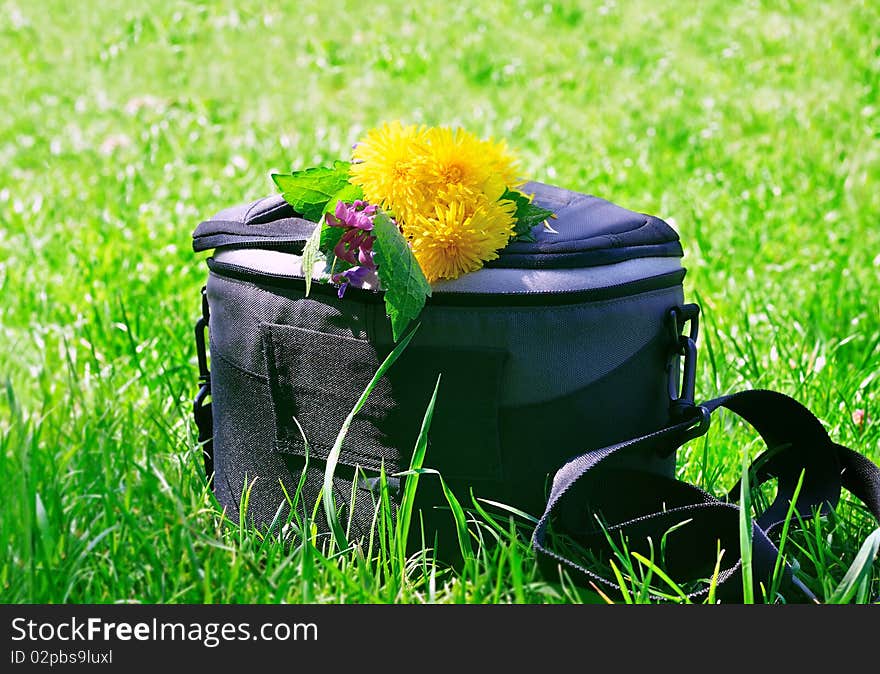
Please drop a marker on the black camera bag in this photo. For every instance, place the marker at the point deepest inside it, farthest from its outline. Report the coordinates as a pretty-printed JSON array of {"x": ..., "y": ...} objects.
[{"x": 575, "y": 350}]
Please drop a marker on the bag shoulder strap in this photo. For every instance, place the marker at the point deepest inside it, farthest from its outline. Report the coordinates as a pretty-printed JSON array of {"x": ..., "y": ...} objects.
[{"x": 596, "y": 503}]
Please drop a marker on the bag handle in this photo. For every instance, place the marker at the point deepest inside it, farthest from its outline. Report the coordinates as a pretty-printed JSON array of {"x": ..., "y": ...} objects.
[
  {"x": 269, "y": 222},
  {"x": 796, "y": 441}
]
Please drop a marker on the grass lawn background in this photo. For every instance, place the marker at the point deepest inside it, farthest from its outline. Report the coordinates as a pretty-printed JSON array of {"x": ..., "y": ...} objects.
[{"x": 753, "y": 128}]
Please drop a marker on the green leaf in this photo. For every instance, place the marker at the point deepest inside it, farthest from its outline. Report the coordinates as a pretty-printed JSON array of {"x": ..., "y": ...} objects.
[
  {"x": 528, "y": 215},
  {"x": 348, "y": 193},
  {"x": 330, "y": 237},
  {"x": 310, "y": 254},
  {"x": 400, "y": 274},
  {"x": 310, "y": 190}
]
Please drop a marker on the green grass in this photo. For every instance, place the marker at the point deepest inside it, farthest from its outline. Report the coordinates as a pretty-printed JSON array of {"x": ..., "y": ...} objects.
[{"x": 753, "y": 127}]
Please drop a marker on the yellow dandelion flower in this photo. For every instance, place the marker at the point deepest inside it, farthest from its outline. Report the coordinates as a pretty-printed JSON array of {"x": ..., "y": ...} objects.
[
  {"x": 383, "y": 167},
  {"x": 459, "y": 158},
  {"x": 503, "y": 163},
  {"x": 465, "y": 230}
]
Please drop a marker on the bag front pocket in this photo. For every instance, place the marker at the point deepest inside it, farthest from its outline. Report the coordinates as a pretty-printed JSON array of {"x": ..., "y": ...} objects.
[{"x": 316, "y": 378}]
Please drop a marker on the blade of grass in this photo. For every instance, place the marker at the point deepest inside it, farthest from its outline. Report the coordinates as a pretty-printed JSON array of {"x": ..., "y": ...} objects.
[
  {"x": 745, "y": 533},
  {"x": 515, "y": 562},
  {"x": 330, "y": 512},
  {"x": 489, "y": 519},
  {"x": 511, "y": 509},
  {"x": 665, "y": 537},
  {"x": 776, "y": 581},
  {"x": 458, "y": 514},
  {"x": 859, "y": 571},
  {"x": 713, "y": 583},
  {"x": 624, "y": 591},
  {"x": 404, "y": 517},
  {"x": 662, "y": 575},
  {"x": 642, "y": 580}
]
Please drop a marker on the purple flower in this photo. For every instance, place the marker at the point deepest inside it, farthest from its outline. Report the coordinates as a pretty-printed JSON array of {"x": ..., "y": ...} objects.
[
  {"x": 355, "y": 246},
  {"x": 365, "y": 252},
  {"x": 350, "y": 243},
  {"x": 356, "y": 276},
  {"x": 358, "y": 215}
]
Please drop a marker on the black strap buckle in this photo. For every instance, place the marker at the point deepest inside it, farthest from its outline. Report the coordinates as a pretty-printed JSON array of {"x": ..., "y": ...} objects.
[
  {"x": 702, "y": 418},
  {"x": 682, "y": 367},
  {"x": 201, "y": 348},
  {"x": 202, "y": 414},
  {"x": 679, "y": 316}
]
